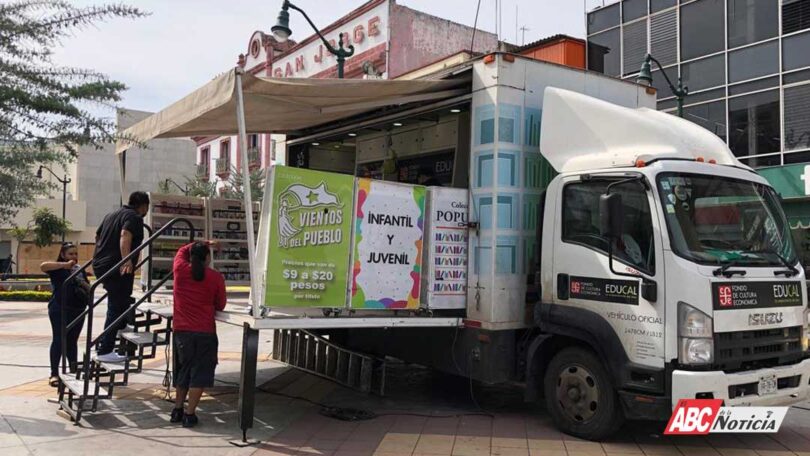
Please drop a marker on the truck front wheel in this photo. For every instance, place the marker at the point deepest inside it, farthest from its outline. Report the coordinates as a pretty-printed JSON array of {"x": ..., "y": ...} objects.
[{"x": 580, "y": 395}]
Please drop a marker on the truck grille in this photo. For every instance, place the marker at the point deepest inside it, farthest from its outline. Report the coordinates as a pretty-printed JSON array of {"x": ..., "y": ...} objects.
[{"x": 757, "y": 349}]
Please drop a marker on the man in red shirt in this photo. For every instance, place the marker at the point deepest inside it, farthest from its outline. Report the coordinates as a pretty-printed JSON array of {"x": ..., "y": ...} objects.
[{"x": 199, "y": 292}]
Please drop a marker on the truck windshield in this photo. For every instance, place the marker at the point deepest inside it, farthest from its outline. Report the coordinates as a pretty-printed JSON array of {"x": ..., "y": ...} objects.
[{"x": 718, "y": 220}]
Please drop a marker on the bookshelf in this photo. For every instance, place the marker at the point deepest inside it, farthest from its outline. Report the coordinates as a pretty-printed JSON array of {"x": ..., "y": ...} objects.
[
  {"x": 228, "y": 226},
  {"x": 163, "y": 209}
]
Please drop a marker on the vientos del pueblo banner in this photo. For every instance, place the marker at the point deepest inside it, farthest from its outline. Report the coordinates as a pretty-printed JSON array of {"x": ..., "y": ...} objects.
[
  {"x": 387, "y": 254},
  {"x": 336, "y": 241},
  {"x": 310, "y": 238}
]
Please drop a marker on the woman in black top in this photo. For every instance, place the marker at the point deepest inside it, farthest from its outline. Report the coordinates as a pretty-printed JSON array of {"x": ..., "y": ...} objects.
[{"x": 58, "y": 271}]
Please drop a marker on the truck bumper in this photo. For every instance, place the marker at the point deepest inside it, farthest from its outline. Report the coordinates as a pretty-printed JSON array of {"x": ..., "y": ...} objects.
[{"x": 690, "y": 384}]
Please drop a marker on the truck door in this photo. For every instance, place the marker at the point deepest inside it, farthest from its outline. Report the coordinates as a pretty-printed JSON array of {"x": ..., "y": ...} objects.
[{"x": 626, "y": 328}]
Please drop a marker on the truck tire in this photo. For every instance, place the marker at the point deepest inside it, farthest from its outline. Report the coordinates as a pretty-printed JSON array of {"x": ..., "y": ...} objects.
[{"x": 580, "y": 395}]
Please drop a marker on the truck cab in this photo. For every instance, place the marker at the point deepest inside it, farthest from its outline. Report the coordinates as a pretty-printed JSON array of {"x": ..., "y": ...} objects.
[{"x": 667, "y": 271}]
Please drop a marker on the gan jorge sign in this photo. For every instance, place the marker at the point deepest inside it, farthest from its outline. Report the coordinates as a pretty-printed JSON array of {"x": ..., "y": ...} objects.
[{"x": 363, "y": 32}]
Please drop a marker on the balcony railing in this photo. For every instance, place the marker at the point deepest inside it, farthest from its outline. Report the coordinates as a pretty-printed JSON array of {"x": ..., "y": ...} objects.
[
  {"x": 203, "y": 173},
  {"x": 254, "y": 158},
  {"x": 223, "y": 166}
]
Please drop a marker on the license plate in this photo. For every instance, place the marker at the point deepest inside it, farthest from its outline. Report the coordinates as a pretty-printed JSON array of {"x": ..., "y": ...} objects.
[{"x": 767, "y": 385}]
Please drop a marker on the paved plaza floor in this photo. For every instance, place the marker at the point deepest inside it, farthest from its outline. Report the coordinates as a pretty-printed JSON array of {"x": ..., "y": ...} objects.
[{"x": 423, "y": 413}]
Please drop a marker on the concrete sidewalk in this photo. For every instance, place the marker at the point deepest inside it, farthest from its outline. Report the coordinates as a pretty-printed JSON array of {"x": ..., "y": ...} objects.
[{"x": 424, "y": 413}]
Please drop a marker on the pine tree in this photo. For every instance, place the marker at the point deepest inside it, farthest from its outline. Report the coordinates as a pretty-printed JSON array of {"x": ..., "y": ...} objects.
[{"x": 44, "y": 108}]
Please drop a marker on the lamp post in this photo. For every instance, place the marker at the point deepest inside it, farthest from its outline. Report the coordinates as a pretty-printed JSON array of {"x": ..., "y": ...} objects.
[
  {"x": 64, "y": 181},
  {"x": 645, "y": 78},
  {"x": 281, "y": 31}
]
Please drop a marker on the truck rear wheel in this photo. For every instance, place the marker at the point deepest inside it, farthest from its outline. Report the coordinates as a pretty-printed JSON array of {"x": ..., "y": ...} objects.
[{"x": 580, "y": 395}]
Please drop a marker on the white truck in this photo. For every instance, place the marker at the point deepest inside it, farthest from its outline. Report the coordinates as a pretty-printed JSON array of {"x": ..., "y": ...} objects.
[
  {"x": 654, "y": 267},
  {"x": 666, "y": 271}
]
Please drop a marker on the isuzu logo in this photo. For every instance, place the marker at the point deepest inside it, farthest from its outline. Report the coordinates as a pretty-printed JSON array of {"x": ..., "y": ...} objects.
[{"x": 767, "y": 318}]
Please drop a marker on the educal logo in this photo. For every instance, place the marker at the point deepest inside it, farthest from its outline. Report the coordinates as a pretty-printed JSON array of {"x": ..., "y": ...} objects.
[{"x": 704, "y": 416}]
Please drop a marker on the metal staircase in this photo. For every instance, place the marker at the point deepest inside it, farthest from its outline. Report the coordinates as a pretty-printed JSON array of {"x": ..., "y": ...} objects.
[
  {"x": 314, "y": 354},
  {"x": 83, "y": 385}
]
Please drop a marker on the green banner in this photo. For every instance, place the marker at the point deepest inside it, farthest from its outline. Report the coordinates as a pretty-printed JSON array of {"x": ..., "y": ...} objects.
[
  {"x": 792, "y": 181},
  {"x": 310, "y": 238}
]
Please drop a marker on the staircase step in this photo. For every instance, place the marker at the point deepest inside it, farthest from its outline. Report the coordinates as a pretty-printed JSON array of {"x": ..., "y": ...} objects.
[
  {"x": 111, "y": 367},
  {"x": 77, "y": 386},
  {"x": 165, "y": 312},
  {"x": 144, "y": 338}
]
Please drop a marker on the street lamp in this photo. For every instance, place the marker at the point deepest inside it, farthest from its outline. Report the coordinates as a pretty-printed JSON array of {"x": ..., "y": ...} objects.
[
  {"x": 645, "y": 78},
  {"x": 66, "y": 180},
  {"x": 281, "y": 31}
]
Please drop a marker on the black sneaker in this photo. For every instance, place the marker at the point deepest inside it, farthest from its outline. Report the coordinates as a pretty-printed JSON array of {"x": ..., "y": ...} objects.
[
  {"x": 177, "y": 415},
  {"x": 190, "y": 421}
]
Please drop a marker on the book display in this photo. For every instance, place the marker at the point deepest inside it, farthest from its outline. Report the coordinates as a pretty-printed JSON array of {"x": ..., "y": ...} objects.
[
  {"x": 222, "y": 220},
  {"x": 228, "y": 227}
]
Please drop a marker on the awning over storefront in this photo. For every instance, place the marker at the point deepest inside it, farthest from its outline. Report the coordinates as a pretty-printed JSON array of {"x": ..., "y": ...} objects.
[{"x": 279, "y": 105}]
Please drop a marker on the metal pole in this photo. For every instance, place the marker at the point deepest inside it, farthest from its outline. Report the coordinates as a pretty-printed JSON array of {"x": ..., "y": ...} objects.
[
  {"x": 248, "y": 200},
  {"x": 64, "y": 202},
  {"x": 340, "y": 62},
  {"x": 247, "y": 380}
]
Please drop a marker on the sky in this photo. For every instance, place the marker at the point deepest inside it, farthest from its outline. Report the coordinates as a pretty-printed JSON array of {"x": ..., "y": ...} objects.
[{"x": 185, "y": 43}]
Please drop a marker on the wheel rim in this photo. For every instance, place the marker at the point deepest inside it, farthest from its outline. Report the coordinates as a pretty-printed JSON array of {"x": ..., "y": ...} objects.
[{"x": 577, "y": 393}]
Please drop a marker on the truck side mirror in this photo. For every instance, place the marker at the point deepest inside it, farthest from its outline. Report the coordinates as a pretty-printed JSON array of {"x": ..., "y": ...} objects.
[{"x": 611, "y": 215}]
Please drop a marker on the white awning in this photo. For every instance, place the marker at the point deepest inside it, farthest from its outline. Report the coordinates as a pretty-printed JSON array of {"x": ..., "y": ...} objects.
[
  {"x": 580, "y": 133},
  {"x": 276, "y": 105}
]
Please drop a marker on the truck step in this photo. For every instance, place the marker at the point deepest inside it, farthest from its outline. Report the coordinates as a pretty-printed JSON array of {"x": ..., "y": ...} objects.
[{"x": 314, "y": 354}]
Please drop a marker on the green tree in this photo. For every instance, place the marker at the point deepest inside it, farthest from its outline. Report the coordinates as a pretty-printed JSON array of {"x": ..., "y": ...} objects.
[
  {"x": 19, "y": 234},
  {"x": 200, "y": 188},
  {"x": 234, "y": 188},
  {"x": 48, "y": 225},
  {"x": 44, "y": 108},
  {"x": 44, "y": 226},
  {"x": 166, "y": 188}
]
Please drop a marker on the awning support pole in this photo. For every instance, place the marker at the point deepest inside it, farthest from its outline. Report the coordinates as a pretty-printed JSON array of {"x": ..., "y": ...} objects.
[
  {"x": 122, "y": 166},
  {"x": 248, "y": 200}
]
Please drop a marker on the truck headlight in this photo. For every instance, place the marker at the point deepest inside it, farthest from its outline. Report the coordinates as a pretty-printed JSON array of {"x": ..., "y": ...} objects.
[
  {"x": 695, "y": 336},
  {"x": 806, "y": 331}
]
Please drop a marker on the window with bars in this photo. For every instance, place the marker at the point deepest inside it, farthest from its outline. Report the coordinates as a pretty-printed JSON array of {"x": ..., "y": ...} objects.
[
  {"x": 664, "y": 37},
  {"x": 635, "y": 46},
  {"x": 795, "y": 15}
]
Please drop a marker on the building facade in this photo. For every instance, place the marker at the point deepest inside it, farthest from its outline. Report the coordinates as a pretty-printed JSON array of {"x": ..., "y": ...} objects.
[
  {"x": 390, "y": 41},
  {"x": 95, "y": 190},
  {"x": 746, "y": 64}
]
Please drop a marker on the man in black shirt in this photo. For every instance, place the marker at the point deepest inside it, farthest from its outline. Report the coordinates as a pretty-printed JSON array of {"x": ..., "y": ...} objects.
[{"x": 119, "y": 234}]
